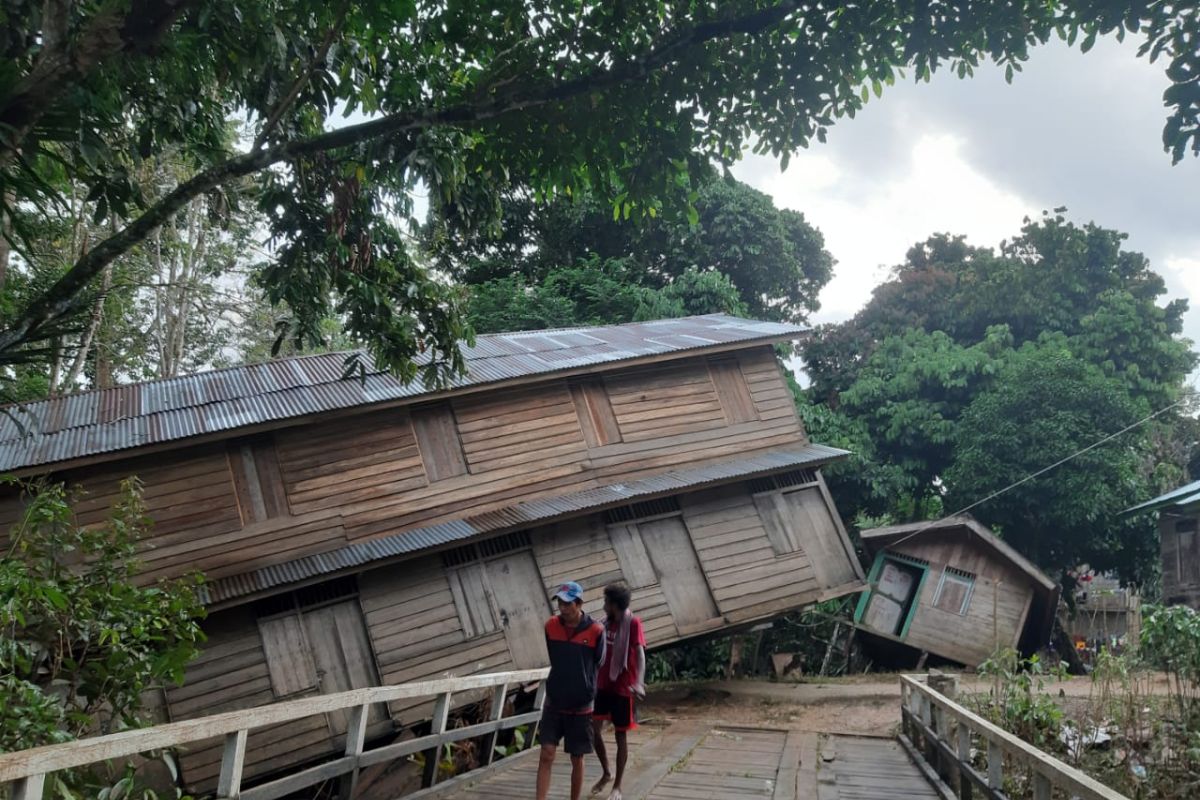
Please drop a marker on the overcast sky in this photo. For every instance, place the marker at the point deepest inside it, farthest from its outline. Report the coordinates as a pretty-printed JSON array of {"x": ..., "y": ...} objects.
[{"x": 975, "y": 157}]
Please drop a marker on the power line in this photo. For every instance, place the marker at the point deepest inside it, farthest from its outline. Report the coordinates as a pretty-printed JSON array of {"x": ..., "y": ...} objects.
[{"x": 1044, "y": 470}]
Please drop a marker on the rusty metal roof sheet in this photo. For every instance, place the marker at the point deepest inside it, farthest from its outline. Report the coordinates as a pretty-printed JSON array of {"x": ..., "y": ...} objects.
[
  {"x": 533, "y": 512},
  {"x": 125, "y": 417}
]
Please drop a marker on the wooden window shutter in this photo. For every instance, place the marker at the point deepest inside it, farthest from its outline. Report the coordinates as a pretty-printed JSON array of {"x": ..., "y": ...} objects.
[
  {"x": 732, "y": 390},
  {"x": 289, "y": 662},
  {"x": 595, "y": 412},
  {"x": 437, "y": 438},
  {"x": 257, "y": 480},
  {"x": 631, "y": 555},
  {"x": 774, "y": 515},
  {"x": 469, "y": 587}
]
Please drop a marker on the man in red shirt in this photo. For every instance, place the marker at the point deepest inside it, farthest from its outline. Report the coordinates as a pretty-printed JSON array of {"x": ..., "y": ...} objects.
[
  {"x": 621, "y": 678},
  {"x": 575, "y": 644}
]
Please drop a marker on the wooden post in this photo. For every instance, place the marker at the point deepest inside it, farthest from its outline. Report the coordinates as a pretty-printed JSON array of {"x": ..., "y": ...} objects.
[
  {"x": 964, "y": 760},
  {"x": 29, "y": 788},
  {"x": 539, "y": 701},
  {"x": 441, "y": 714},
  {"x": 995, "y": 766},
  {"x": 356, "y": 736},
  {"x": 927, "y": 718},
  {"x": 229, "y": 784},
  {"x": 498, "y": 695},
  {"x": 1041, "y": 787}
]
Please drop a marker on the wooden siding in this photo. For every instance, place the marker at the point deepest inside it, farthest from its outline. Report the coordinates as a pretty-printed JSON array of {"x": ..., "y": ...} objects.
[
  {"x": 999, "y": 604},
  {"x": 1180, "y": 550},
  {"x": 231, "y": 673},
  {"x": 232, "y": 507}
]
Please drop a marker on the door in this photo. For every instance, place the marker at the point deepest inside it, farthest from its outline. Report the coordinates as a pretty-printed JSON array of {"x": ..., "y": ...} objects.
[
  {"x": 522, "y": 606},
  {"x": 673, "y": 557},
  {"x": 341, "y": 654},
  {"x": 818, "y": 534}
]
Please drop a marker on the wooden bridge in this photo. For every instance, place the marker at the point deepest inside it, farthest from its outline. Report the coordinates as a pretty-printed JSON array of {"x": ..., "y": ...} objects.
[{"x": 942, "y": 751}]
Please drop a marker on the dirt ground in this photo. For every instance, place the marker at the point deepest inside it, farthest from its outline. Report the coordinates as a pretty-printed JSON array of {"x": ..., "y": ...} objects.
[{"x": 864, "y": 705}]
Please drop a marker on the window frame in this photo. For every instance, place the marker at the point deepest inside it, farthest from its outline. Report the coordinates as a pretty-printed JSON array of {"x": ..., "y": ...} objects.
[{"x": 960, "y": 576}]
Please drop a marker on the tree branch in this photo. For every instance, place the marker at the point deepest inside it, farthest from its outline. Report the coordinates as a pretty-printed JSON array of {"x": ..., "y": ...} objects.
[
  {"x": 61, "y": 298},
  {"x": 304, "y": 77},
  {"x": 63, "y": 63}
]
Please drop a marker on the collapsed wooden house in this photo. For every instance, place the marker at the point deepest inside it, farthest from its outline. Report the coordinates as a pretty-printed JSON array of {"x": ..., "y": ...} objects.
[
  {"x": 354, "y": 532},
  {"x": 1179, "y": 543},
  {"x": 953, "y": 589}
]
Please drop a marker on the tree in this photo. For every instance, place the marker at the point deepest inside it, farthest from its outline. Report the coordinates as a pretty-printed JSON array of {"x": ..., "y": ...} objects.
[
  {"x": 775, "y": 259},
  {"x": 467, "y": 100},
  {"x": 1048, "y": 404},
  {"x": 972, "y": 368},
  {"x": 81, "y": 639},
  {"x": 595, "y": 292}
]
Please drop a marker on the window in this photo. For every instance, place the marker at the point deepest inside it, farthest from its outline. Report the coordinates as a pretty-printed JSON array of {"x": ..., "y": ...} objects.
[
  {"x": 257, "y": 480},
  {"x": 595, "y": 412},
  {"x": 954, "y": 591},
  {"x": 437, "y": 438},
  {"x": 1188, "y": 552},
  {"x": 732, "y": 390},
  {"x": 470, "y": 586},
  {"x": 890, "y": 605},
  {"x": 626, "y": 537}
]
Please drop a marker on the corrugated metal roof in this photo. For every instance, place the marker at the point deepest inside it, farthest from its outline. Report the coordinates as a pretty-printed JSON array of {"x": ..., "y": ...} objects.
[
  {"x": 108, "y": 420},
  {"x": 518, "y": 516},
  {"x": 1185, "y": 495}
]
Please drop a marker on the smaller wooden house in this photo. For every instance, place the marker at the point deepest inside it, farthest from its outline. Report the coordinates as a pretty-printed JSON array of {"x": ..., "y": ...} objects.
[
  {"x": 1179, "y": 541},
  {"x": 951, "y": 588}
]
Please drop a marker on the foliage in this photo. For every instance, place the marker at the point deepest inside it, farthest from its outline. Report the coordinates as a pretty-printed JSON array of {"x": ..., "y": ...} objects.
[
  {"x": 773, "y": 257},
  {"x": 704, "y": 659},
  {"x": 595, "y": 293},
  {"x": 467, "y": 101},
  {"x": 1018, "y": 701},
  {"x": 82, "y": 641},
  {"x": 972, "y": 369},
  {"x": 1171, "y": 642}
]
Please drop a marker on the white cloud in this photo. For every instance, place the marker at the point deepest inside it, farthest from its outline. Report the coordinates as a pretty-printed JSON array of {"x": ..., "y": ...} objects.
[{"x": 868, "y": 226}]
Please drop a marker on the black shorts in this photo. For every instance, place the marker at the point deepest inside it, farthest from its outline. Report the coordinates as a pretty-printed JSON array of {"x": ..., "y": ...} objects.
[
  {"x": 616, "y": 707},
  {"x": 575, "y": 730}
]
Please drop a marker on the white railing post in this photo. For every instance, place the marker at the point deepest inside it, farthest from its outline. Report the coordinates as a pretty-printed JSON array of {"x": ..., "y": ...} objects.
[
  {"x": 964, "y": 760},
  {"x": 498, "y": 696},
  {"x": 437, "y": 726},
  {"x": 229, "y": 784},
  {"x": 995, "y": 760},
  {"x": 1041, "y": 787},
  {"x": 356, "y": 737},
  {"x": 29, "y": 788}
]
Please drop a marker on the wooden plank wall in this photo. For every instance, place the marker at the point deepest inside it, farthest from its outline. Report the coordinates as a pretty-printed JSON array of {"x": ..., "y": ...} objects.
[
  {"x": 748, "y": 580},
  {"x": 1176, "y": 590},
  {"x": 345, "y": 479},
  {"x": 999, "y": 602},
  {"x": 231, "y": 673}
]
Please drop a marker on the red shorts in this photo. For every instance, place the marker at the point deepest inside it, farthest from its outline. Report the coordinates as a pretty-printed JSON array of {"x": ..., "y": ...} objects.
[{"x": 616, "y": 707}]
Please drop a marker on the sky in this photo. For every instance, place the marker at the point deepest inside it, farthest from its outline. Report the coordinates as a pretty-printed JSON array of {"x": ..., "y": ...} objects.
[{"x": 977, "y": 156}]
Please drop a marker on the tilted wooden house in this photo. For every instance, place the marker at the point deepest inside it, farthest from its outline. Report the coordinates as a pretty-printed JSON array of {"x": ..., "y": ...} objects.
[
  {"x": 952, "y": 588},
  {"x": 1179, "y": 543},
  {"x": 356, "y": 532}
]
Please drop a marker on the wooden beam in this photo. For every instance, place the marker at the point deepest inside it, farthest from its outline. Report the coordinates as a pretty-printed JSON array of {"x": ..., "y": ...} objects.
[
  {"x": 229, "y": 784},
  {"x": 29, "y": 788}
]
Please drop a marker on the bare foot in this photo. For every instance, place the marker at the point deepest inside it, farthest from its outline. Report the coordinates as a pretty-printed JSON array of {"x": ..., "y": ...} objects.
[
  {"x": 600, "y": 784},
  {"x": 616, "y": 795}
]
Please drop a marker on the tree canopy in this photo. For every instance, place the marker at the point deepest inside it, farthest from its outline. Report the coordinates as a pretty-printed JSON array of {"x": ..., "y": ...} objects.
[
  {"x": 774, "y": 258},
  {"x": 352, "y": 107},
  {"x": 971, "y": 369}
]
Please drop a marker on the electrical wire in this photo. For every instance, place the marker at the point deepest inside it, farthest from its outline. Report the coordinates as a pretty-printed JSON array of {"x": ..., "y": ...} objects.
[{"x": 1044, "y": 470}]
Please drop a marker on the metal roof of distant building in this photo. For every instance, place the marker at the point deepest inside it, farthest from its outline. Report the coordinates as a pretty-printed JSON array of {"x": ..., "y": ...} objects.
[
  {"x": 534, "y": 512},
  {"x": 125, "y": 417},
  {"x": 1185, "y": 495}
]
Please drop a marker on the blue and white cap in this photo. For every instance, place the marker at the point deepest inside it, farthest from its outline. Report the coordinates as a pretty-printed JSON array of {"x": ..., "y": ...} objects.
[{"x": 569, "y": 592}]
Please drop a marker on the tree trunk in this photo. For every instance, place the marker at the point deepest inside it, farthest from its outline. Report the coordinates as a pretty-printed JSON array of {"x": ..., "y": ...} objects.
[{"x": 89, "y": 335}]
